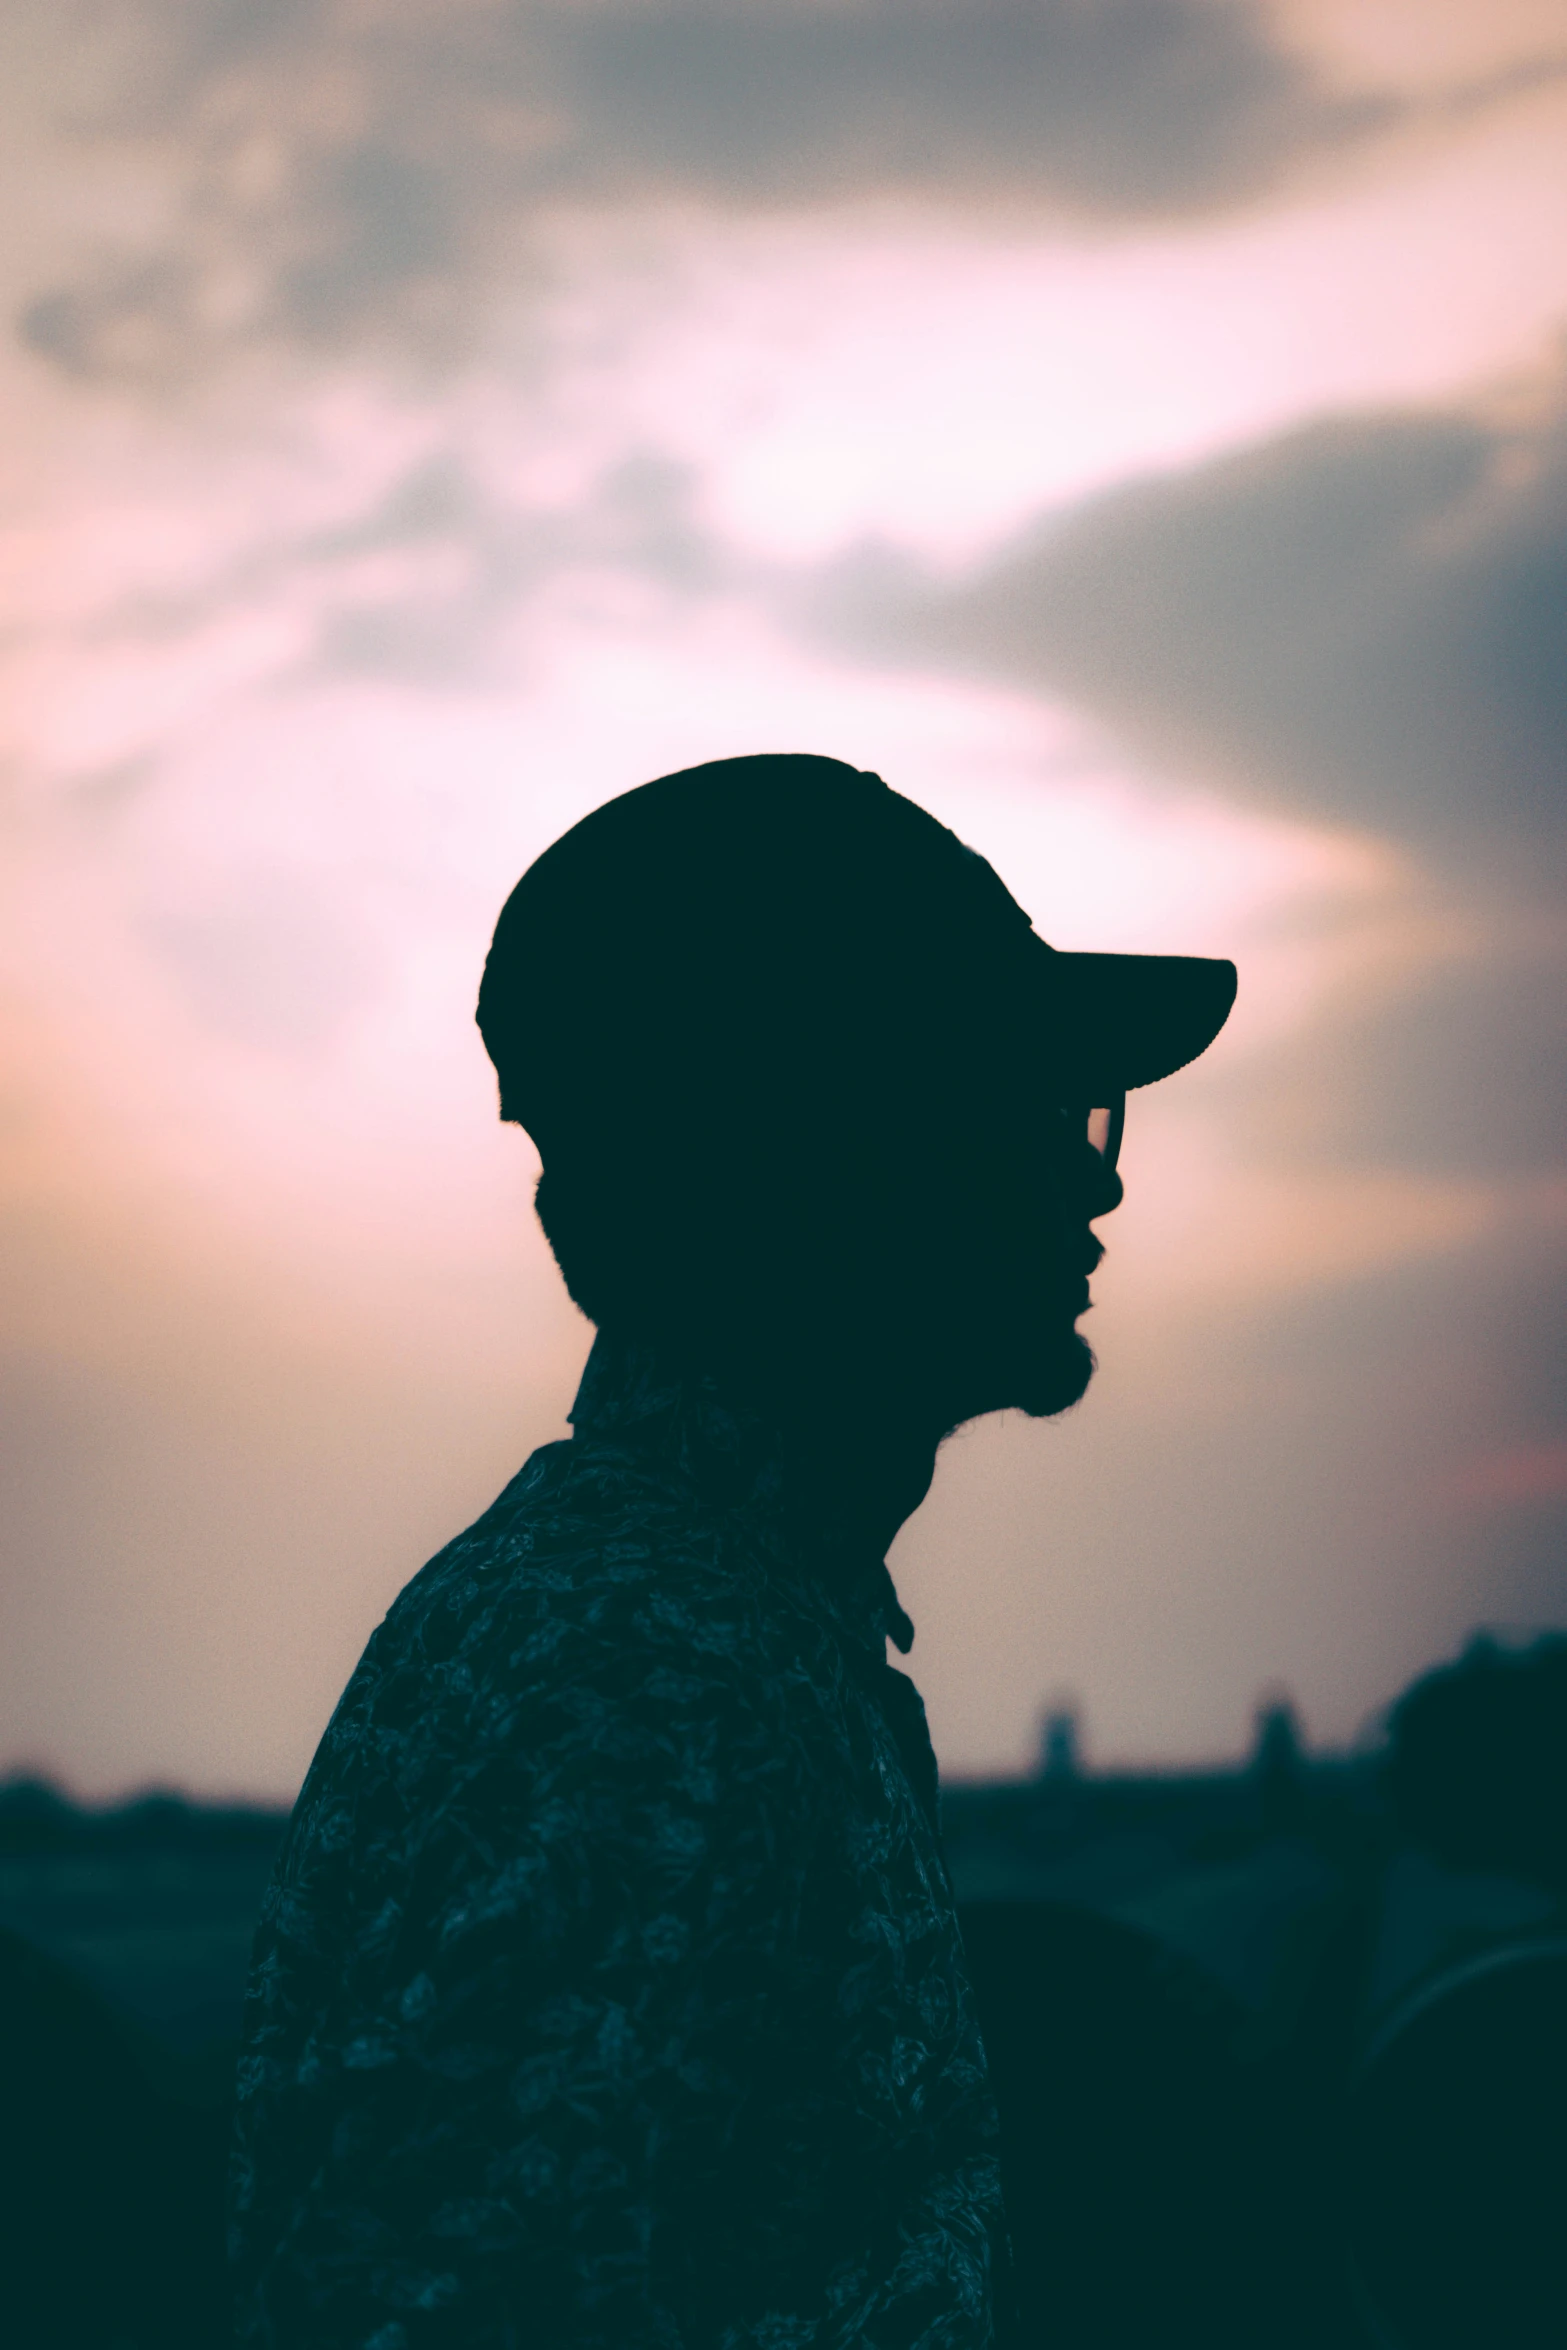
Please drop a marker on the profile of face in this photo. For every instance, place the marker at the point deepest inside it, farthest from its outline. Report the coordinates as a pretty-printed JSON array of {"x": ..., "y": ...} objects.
[
  {"x": 1020, "y": 1249},
  {"x": 954, "y": 1240}
]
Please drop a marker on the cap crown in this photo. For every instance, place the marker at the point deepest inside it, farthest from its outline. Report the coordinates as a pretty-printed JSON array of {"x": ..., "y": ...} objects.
[{"x": 734, "y": 937}]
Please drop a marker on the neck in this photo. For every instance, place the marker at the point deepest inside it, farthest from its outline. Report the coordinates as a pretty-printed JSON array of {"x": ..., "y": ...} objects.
[
  {"x": 839, "y": 1447},
  {"x": 862, "y": 1465}
]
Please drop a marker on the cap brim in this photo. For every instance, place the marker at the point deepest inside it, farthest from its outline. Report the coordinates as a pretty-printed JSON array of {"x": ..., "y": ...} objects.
[{"x": 1120, "y": 1021}]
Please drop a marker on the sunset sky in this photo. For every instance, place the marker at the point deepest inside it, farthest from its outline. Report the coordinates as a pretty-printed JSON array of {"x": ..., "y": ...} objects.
[{"x": 1135, "y": 428}]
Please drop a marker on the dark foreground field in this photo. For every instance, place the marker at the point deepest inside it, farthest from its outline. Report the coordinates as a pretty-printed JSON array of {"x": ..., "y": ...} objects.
[{"x": 1281, "y": 2051}]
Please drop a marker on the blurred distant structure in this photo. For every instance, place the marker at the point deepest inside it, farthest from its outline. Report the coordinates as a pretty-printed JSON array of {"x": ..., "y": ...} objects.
[
  {"x": 1278, "y": 1763},
  {"x": 1477, "y": 1762},
  {"x": 1059, "y": 1756}
]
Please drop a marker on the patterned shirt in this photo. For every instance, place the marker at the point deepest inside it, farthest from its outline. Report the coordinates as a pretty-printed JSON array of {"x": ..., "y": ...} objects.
[{"x": 609, "y": 1991}]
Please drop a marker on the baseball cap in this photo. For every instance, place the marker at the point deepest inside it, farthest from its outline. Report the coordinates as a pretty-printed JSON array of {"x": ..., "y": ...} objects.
[{"x": 780, "y": 921}]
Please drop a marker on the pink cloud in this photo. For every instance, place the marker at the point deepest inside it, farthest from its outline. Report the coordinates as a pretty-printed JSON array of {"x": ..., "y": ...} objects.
[{"x": 1516, "y": 1473}]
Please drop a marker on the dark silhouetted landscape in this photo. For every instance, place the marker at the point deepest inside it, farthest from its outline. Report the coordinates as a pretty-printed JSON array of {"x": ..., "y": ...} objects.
[{"x": 1280, "y": 2047}]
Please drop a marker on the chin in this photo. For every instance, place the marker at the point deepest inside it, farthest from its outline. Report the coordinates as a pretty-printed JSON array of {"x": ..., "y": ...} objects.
[
  {"x": 1030, "y": 1359},
  {"x": 1054, "y": 1376}
]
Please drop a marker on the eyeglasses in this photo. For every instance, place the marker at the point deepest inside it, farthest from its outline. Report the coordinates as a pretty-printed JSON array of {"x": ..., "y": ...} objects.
[{"x": 1104, "y": 1127}]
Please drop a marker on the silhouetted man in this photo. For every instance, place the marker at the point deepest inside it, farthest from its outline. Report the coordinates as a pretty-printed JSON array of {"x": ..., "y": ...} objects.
[{"x": 609, "y": 1991}]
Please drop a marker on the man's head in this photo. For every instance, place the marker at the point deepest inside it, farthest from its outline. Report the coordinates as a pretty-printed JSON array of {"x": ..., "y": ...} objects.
[{"x": 809, "y": 1092}]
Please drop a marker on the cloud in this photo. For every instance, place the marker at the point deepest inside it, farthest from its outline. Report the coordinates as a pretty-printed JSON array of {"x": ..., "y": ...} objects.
[
  {"x": 1461, "y": 1077},
  {"x": 464, "y": 564},
  {"x": 328, "y": 173},
  {"x": 1517, "y": 1474},
  {"x": 1364, "y": 620},
  {"x": 1125, "y": 107}
]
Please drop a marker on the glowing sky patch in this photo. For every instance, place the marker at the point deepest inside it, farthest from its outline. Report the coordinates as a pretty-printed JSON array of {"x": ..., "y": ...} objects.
[{"x": 306, "y": 651}]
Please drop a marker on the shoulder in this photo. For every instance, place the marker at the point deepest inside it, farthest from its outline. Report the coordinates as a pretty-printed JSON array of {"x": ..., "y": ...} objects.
[
  {"x": 594, "y": 1624},
  {"x": 585, "y": 1702},
  {"x": 588, "y": 1561}
]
